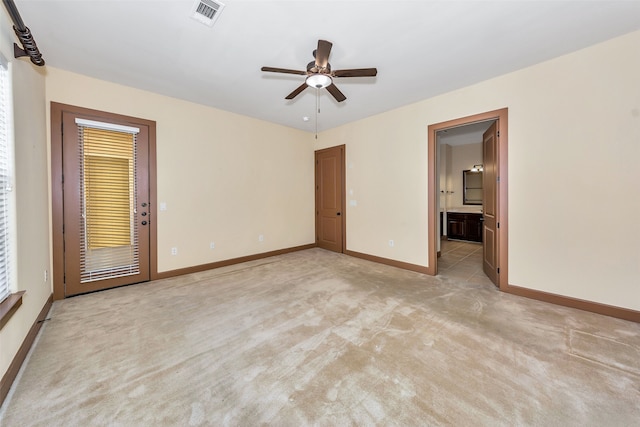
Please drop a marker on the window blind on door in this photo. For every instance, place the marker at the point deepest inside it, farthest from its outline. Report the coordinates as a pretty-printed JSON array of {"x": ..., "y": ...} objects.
[{"x": 109, "y": 238}]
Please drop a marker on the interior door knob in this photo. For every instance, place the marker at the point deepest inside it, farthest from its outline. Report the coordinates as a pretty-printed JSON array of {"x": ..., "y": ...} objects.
[
  {"x": 144, "y": 223},
  {"x": 338, "y": 214}
]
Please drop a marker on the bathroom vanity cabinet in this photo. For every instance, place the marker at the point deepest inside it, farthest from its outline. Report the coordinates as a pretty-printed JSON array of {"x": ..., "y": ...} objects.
[{"x": 464, "y": 226}]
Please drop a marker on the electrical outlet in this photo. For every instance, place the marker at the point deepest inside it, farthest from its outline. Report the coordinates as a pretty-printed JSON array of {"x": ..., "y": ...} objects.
[
  {"x": 391, "y": 243},
  {"x": 261, "y": 238},
  {"x": 212, "y": 245},
  {"x": 174, "y": 251}
]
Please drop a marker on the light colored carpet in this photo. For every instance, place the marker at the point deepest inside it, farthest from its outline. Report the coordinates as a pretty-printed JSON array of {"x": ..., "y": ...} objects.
[{"x": 318, "y": 338}]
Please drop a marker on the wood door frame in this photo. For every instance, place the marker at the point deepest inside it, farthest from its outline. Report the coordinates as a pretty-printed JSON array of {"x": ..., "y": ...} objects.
[
  {"x": 502, "y": 194},
  {"x": 57, "y": 213},
  {"x": 343, "y": 191}
]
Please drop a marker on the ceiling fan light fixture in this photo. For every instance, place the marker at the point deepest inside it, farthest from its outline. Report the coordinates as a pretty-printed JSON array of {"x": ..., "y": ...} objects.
[{"x": 318, "y": 80}]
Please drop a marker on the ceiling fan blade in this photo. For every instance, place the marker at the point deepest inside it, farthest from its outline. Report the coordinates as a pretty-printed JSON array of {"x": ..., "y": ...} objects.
[
  {"x": 297, "y": 92},
  {"x": 322, "y": 53},
  {"x": 283, "y": 70},
  {"x": 356, "y": 72},
  {"x": 333, "y": 90}
]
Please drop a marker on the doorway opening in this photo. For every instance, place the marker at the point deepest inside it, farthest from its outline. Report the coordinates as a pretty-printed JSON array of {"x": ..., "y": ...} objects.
[
  {"x": 460, "y": 163},
  {"x": 467, "y": 220}
]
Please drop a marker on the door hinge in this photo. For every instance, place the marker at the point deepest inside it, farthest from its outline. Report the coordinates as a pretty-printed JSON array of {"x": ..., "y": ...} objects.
[
  {"x": 498, "y": 270},
  {"x": 498, "y": 134},
  {"x": 497, "y": 225}
]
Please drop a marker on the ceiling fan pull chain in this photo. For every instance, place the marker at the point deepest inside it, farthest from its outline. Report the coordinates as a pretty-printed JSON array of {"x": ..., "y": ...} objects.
[{"x": 317, "y": 109}]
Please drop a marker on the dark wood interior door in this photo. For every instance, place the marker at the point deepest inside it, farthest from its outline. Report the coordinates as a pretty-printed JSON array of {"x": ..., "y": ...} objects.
[
  {"x": 329, "y": 172},
  {"x": 489, "y": 206},
  {"x": 106, "y": 202}
]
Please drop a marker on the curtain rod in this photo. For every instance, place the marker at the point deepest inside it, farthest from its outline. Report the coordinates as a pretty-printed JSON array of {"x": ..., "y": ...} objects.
[{"x": 29, "y": 47}]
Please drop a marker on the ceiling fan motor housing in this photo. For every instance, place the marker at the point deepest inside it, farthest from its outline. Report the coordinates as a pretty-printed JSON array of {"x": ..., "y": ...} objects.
[{"x": 312, "y": 67}]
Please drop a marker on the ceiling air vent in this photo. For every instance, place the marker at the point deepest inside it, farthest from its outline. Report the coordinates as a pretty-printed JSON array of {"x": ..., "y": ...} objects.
[{"x": 207, "y": 11}]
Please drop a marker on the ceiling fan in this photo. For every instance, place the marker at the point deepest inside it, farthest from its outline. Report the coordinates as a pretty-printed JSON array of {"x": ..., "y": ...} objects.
[{"x": 320, "y": 75}]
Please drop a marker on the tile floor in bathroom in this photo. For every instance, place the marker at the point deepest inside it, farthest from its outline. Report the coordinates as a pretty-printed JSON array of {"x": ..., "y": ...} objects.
[{"x": 462, "y": 261}]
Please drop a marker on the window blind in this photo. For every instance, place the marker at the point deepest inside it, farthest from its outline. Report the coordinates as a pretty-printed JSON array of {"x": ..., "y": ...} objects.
[
  {"x": 109, "y": 238},
  {"x": 5, "y": 180}
]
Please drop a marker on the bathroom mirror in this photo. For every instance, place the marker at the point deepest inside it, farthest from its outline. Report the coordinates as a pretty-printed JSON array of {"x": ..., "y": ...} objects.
[{"x": 472, "y": 187}]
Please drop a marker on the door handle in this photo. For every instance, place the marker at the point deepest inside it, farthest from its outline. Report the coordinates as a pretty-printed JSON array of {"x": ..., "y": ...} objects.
[
  {"x": 338, "y": 214},
  {"x": 144, "y": 223}
]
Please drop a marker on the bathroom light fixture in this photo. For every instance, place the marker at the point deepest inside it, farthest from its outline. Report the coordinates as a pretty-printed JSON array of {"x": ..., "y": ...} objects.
[
  {"x": 318, "y": 80},
  {"x": 477, "y": 168}
]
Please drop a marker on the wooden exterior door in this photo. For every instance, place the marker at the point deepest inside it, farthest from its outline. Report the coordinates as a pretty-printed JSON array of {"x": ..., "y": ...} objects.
[
  {"x": 490, "y": 203},
  {"x": 106, "y": 202},
  {"x": 330, "y": 220}
]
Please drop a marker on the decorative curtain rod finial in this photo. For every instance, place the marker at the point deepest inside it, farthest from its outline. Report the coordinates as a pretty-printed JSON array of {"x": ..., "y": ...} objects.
[
  {"x": 29, "y": 47},
  {"x": 29, "y": 44}
]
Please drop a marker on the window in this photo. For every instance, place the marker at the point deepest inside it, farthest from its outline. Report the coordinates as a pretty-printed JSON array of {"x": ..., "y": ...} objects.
[
  {"x": 5, "y": 180},
  {"x": 109, "y": 238}
]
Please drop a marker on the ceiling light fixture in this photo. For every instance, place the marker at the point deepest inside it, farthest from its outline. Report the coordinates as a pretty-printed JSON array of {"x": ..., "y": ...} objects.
[{"x": 318, "y": 80}]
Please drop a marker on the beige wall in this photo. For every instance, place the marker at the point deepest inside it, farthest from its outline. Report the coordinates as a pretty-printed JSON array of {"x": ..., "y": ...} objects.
[
  {"x": 463, "y": 157},
  {"x": 31, "y": 190},
  {"x": 574, "y": 150},
  {"x": 443, "y": 186},
  {"x": 444, "y": 166},
  {"x": 225, "y": 178},
  {"x": 386, "y": 175}
]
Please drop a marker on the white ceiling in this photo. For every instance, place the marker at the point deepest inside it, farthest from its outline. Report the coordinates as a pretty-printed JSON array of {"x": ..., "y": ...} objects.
[
  {"x": 463, "y": 135},
  {"x": 421, "y": 48}
]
